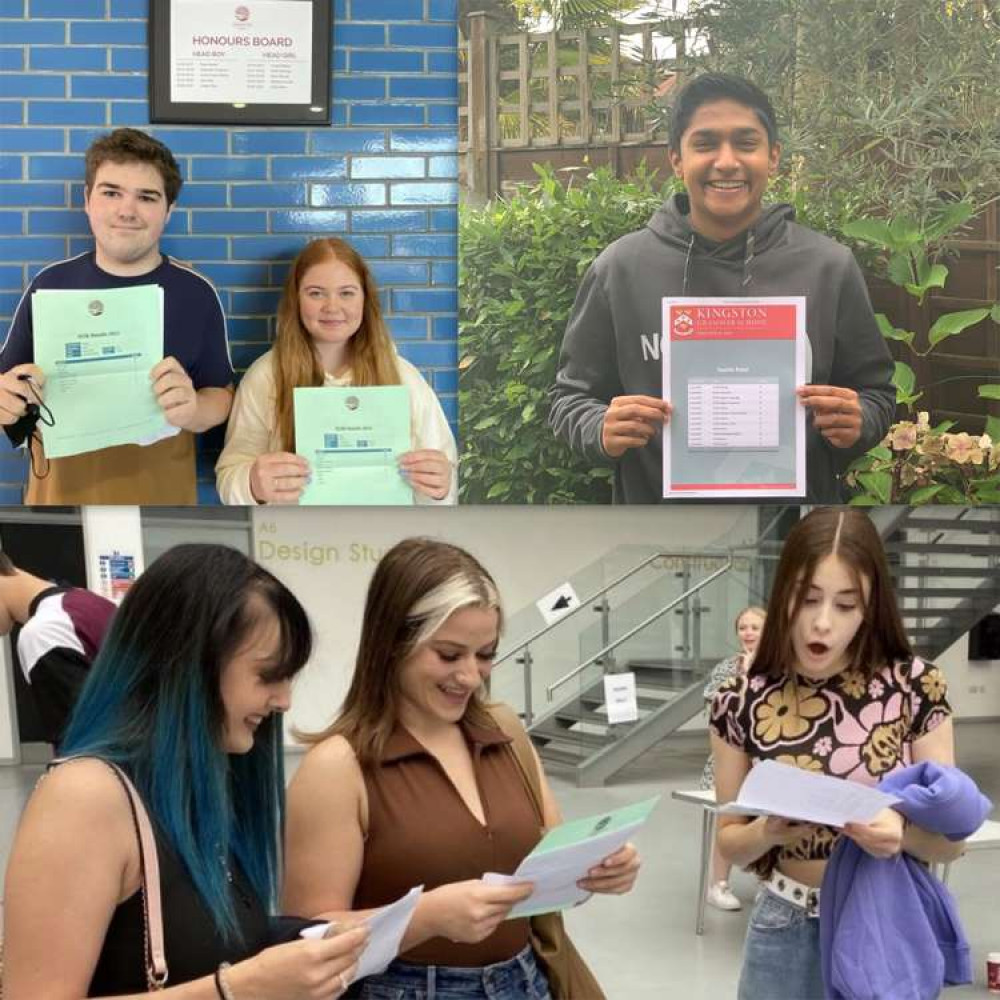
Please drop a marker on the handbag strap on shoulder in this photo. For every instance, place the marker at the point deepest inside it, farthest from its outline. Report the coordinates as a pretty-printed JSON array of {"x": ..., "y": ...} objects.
[
  {"x": 524, "y": 756},
  {"x": 156, "y": 958}
]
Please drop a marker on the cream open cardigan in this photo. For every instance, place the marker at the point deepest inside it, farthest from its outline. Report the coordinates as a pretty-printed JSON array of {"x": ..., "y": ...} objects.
[{"x": 253, "y": 430}]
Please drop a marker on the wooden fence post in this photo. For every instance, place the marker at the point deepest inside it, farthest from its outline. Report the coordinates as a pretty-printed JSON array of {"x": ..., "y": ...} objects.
[{"x": 480, "y": 185}]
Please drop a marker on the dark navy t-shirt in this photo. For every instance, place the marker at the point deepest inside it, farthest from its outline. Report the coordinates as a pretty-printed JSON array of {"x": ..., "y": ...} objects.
[{"x": 194, "y": 325}]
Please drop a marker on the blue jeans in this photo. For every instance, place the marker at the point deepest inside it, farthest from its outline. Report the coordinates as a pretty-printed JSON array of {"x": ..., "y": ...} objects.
[
  {"x": 519, "y": 978},
  {"x": 781, "y": 955}
]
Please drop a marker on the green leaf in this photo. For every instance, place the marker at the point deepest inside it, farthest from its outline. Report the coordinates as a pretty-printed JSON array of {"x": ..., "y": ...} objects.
[
  {"x": 904, "y": 231},
  {"x": 871, "y": 231},
  {"x": 891, "y": 332},
  {"x": 877, "y": 483},
  {"x": 881, "y": 452},
  {"x": 865, "y": 501},
  {"x": 993, "y": 429},
  {"x": 991, "y": 391},
  {"x": 952, "y": 323},
  {"x": 925, "y": 493},
  {"x": 935, "y": 277},
  {"x": 995, "y": 313},
  {"x": 903, "y": 378},
  {"x": 898, "y": 271},
  {"x": 955, "y": 215},
  {"x": 951, "y": 495}
]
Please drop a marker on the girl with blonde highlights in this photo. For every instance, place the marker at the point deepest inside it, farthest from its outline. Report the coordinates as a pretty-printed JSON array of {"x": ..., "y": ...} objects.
[
  {"x": 418, "y": 783},
  {"x": 330, "y": 331}
]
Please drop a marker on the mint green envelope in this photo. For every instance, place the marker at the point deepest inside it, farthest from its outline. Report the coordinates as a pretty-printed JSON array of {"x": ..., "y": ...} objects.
[
  {"x": 579, "y": 831},
  {"x": 96, "y": 347},
  {"x": 565, "y": 855},
  {"x": 352, "y": 438}
]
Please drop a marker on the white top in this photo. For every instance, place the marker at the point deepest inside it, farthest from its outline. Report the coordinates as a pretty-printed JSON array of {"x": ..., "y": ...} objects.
[{"x": 253, "y": 430}]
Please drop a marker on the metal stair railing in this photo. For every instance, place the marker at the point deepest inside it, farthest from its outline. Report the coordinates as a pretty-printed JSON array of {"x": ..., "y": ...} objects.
[
  {"x": 599, "y": 595},
  {"x": 601, "y": 653}
]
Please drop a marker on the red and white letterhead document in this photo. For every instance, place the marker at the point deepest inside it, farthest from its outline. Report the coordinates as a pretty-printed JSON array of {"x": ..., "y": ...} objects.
[{"x": 730, "y": 371}]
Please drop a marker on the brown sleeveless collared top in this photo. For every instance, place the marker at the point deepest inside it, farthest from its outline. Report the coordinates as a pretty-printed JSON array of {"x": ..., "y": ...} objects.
[{"x": 420, "y": 831}]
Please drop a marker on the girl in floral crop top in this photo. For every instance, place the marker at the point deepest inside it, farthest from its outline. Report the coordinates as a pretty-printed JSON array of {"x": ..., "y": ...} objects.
[{"x": 836, "y": 689}]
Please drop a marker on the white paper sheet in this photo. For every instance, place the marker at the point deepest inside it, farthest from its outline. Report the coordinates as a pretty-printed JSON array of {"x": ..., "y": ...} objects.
[
  {"x": 556, "y": 870},
  {"x": 773, "y": 789},
  {"x": 620, "y": 698},
  {"x": 386, "y": 928},
  {"x": 727, "y": 415}
]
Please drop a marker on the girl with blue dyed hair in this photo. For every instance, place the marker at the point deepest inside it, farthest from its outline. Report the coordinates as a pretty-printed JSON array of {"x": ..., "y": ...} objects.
[{"x": 186, "y": 698}]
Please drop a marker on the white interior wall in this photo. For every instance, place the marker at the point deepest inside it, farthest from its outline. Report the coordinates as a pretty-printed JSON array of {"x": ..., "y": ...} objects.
[
  {"x": 327, "y": 558},
  {"x": 973, "y": 685},
  {"x": 9, "y": 750}
]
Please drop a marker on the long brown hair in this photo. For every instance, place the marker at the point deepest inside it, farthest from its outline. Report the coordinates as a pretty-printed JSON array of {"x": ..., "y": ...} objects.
[
  {"x": 849, "y": 534},
  {"x": 416, "y": 586},
  {"x": 296, "y": 363}
]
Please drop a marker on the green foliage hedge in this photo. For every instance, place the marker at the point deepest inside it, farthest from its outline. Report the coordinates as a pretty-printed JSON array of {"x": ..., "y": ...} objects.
[{"x": 522, "y": 260}]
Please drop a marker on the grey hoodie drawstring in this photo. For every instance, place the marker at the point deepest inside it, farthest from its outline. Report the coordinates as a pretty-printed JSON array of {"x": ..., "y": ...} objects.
[
  {"x": 687, "y": 265},
  {"x": 747, "y": 258},
  {"x": 747, "y": 276}
]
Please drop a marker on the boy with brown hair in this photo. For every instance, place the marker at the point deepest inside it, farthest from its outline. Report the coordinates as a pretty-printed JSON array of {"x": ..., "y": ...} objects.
[{"x": 131, "y": 184}]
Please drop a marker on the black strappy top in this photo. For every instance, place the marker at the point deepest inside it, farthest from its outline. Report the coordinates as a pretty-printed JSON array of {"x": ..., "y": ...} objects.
[{"x": 193, "y": 947}]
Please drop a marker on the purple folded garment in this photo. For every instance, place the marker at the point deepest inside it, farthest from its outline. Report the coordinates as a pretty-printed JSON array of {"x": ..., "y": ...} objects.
[{"x": 889, "y": 930}]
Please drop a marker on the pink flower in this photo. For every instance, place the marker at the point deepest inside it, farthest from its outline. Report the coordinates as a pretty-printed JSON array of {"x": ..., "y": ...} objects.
[
  {"x": 904, "y": 436},
  {"x": 871, "y": 745},
  {"x": 823, "y": 746},
  {"x": 757, "y": 682},
  {"x": 876, "y": 688},
  {"x": 963, "y": 449}
]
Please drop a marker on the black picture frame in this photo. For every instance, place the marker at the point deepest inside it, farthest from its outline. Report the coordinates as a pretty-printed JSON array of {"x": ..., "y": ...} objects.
[{"x": 162, "y": 110}]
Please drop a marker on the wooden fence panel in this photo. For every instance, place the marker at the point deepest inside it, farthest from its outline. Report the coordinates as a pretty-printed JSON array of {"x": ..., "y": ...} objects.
[{"x": 577, "y": 100}]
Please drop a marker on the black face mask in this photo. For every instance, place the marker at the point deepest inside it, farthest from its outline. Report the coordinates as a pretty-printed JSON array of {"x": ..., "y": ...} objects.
[{"x": 25, "y": 429}]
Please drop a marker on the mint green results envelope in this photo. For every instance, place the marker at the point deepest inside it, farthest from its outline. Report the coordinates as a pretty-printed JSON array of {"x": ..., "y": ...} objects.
[
  {"x": 352, "y": 438},
  {"x": 565, "y": 855},
  {"x": 96, "y": 347}
]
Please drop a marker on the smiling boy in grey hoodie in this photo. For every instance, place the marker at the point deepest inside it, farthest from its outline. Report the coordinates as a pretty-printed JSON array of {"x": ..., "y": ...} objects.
[{"x": 718, "y": 239}]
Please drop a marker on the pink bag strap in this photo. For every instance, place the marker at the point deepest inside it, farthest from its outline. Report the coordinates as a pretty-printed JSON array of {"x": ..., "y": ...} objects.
[{"x": 152, "y": 906}]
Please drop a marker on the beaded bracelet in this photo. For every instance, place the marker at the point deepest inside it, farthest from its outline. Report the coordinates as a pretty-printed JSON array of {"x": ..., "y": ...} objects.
[{"x": 222, "y": 986}]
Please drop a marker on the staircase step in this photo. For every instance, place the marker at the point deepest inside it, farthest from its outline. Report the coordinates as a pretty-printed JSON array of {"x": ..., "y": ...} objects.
[
  {"x": 662, "y": 680},
  {"x": 982, "y": 527},
  {"x": 550, "y": 729},
  {"x": 944, "y": 548},
  {"x": 559, "y": 756},
  {"x": 945, "y": 593},
  {"x": 590, "y": 700},
  {"x": 571, "y": 715},
  {"x": 971, "y": 572}
]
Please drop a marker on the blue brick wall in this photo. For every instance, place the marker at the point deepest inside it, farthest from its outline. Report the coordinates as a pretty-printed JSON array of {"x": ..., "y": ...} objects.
[{"x": 383, "y": 175}]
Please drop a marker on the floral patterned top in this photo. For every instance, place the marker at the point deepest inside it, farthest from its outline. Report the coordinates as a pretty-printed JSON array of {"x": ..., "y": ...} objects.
[{"x": 840, "y": 726}]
